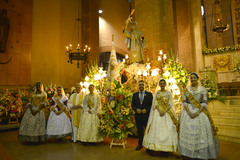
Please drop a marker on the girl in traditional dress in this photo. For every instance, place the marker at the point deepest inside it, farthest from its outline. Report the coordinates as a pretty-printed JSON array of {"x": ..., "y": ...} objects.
[
  {"x": 88, "y": 127},
  {"x": 32, "y": 128},
  {"x": 59, "y": 124},
  {"x": 161, "y": 132},
  {"x": 198, "y": 135}
]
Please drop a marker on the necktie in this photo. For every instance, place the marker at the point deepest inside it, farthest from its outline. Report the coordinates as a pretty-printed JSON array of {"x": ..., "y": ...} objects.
[{"x": 141, "y": 98}]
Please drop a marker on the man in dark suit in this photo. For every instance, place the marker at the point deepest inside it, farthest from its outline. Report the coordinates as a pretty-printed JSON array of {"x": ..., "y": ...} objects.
[{"x": 141, "y": 104}]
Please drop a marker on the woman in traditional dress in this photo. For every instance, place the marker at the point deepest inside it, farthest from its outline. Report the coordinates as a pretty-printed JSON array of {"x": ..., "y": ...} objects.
[
  {"x": 198, "y": 135},
  {"x": 161, "y": 132},
  {"x": 59, "y": 124},
  {"x": 32, "y": 128},
  {"x": 88, "y": 127}
]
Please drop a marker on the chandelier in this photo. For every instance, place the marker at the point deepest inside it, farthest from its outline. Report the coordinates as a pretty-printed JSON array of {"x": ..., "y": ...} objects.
[
  {"x": 81, "y": 53},
  {"x": 217, "y": 21}
]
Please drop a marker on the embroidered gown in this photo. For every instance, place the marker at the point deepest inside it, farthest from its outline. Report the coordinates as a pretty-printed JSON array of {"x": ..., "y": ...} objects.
[
  {"x": 88, "y": 127},
  {"x": 32, "y": 128},
  {"x": 196, "y": 139},
  {"x": 161, "y": 134},
  {"x": 59, "y": 126}
]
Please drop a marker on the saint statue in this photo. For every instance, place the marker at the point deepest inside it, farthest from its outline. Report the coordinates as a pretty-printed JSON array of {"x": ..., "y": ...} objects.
[
  {"x": 134, "y": 41},
  {"x": 4, "y": 30}
]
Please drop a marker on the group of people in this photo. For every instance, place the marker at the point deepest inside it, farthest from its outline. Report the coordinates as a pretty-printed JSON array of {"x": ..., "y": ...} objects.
[
  {"x": 64, "y": 118},
  {"x": 193, "y": 133}
]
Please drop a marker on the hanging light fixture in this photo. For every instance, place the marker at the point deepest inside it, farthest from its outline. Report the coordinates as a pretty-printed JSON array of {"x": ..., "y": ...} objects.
[
  {"x": 81, "y": 53},
  {"x": 217, "y": 21}
]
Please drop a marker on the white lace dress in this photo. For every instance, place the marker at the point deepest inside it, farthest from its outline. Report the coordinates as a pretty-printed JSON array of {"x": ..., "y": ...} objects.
[
  {"x": 88, "y": 127},
  {"x": 161, "y": 134},
  {"x": 32, "y": 128},
  {"x": 196, "y": 139},
  {"x": 59, "y": 126}
]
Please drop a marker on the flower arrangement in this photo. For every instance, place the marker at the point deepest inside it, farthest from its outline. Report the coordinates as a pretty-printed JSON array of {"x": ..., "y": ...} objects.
[
  {"x": 13, "y": 104},
  {"x": 212, "y": 89},
  {"x": 116, "y": 118},
  {"x": 237, "y": 67},
  {"x": 175, "y": 69},
  {"x": 207, "y": 51},
  {"x": 177, "y": 78}
]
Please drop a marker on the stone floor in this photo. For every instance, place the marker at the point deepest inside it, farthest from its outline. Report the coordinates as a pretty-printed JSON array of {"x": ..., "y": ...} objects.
[{"x": 11, "y": 148}]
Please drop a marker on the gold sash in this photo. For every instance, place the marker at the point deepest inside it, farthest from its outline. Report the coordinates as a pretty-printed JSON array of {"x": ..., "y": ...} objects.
[
  {"x": 77, "y": 112},
  {"x": 198, "y": 105},
  {"x": 66, "y": 111},
  {"x": 163, "y": 104}
]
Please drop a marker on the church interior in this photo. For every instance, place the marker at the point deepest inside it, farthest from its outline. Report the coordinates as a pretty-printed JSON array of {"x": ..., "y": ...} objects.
[{"x": 64, "y": 42}]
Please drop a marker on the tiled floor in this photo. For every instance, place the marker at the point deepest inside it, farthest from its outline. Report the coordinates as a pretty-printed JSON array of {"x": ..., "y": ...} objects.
[{"x": 10, "y": 147}]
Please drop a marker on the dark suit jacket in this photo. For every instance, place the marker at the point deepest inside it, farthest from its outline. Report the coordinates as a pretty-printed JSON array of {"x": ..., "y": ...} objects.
[{"x": 146, "y": 104}]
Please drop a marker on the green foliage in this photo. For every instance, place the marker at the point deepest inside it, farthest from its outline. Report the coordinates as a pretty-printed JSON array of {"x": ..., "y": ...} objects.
[
  {"x": 237, "y": 67},
  {"x": 212, "y": 89},
  {"x": 116, "y": 119},
  {"x": 176, "y": 70},
  {"x": 207, "y": 51}
]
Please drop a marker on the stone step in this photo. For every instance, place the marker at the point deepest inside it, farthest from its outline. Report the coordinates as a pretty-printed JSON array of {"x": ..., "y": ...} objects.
[
  {"x": 229, "y": 139},
  {"x": 235, "y": 122},
  {"x": 228, "y": 131},
  {"x": 223, "y": 109},
  {"x": 227, "y": 114}
]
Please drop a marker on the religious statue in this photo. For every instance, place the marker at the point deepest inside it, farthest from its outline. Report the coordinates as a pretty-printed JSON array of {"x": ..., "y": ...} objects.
[
  {"x": 4, "y": 30},
  {"x": 134, "y": 41}
]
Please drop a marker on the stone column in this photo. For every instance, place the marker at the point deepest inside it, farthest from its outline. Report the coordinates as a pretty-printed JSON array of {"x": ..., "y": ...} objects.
[
  {"x": 156, "y": 21},
  {"x": 90, "y": 30},
  {"x": 197, "y": 29}
]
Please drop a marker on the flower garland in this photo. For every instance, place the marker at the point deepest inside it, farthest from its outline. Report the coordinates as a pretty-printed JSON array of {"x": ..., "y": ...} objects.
[
  {"x": 116, "y": 118},
  {"x": 208, "y": 51}
]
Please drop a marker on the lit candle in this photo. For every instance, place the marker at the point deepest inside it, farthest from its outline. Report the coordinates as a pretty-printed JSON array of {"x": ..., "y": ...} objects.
[
  {"x": 67, "y": 48},
  {"x": 160, "y": 52},
  {"x": 89, "y": 49},
  {"x": 164, "y": 56},
  {"x": 86, "y": 46},
  {"x": 148, "y": 66},
  {"x": 145, "y": 73},
  {"x": 124, "y": 60},
  {"x": 139, "y": 72},
  {"x": 70, "y": 47},
  {"x": 100, "y": 70},
  {"x": 78, "y": 46},
  {"x": 127, "y": 56}
]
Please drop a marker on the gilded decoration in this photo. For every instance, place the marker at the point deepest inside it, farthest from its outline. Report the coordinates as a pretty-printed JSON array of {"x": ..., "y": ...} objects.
[{"x": 222, "y": 63}]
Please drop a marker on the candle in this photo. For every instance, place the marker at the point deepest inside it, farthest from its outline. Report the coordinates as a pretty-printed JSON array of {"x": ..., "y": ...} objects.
[
  {"x": 164, "y": 56},
  {"x": 89, "y": 49},
  {"x": 160, "y": 52},
  {"x": 127, "y": 56}
]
